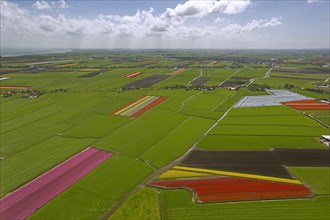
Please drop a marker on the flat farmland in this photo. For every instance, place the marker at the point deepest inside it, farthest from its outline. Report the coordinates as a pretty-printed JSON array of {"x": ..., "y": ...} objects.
[
  {"x": 256, "y": 142},
  {"x": 182, "y": 78},
  {"x": 141, "y": 205},
  {"x": 32, "y": 162},
  {"x": 88, "y": 199},
  {"x": 177, "y": 204},
  {"x": 76, "y": 113},
  {"x": 218, "y": 76},
  {"x": 251, "y": 73},
  {"x": 178, "y": 141},
  {"x": 281, "y": 130},
  {"x": 279, "y": 83},
  {"x": 318, "y": 178},
  {"x": 139, "y": 130}
]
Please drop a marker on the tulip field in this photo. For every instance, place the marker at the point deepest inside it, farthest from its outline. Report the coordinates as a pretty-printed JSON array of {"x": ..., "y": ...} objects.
[{"x": 164, "y": 135}]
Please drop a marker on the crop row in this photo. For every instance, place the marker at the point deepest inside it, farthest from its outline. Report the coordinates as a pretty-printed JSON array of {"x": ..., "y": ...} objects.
[
  {"x": 134, "y": 74},
  {"x": 139, "y": 106},
  {"x": 26, "y": 200},
  {"x": 308, "y": 105},
  {"x": 238, "y": 189}
]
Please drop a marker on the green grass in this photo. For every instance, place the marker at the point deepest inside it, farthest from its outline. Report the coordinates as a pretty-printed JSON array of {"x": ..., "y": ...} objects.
[
  {"x": 177, "y": 141},
  {"x": 263, "y": 111},
  {"x": 38, "y": 134},
  {"x": 300, "y": 120},
  {"x": 318, "y": 178},
  {"x": 143, "y": 204},
  {"x": 251, "y": 73},
  {"x": 209, "y": 100},
  {"x": 145, "y": 130},
  {"x": 177, "y": 204},
  {"x": 34, "y": 161},
  {"x": 234, "y": 98},
  {"x": 269, "y": 130},
  {"x": 279, "y": 83},
  {"x": 181, "y": 79},
  {"x": 323, "y": 116},
  {"x": 315, "y": 95},
  {"x": 217, "y": 76},
  {"x": 97, "y": 126},
  {"x": 241, "y": 142},
  {"x": 197, "y": 112},
  {"x": 93, "y": 195}
]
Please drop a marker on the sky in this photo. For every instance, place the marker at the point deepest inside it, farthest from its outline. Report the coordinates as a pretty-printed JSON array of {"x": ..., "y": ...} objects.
[{"x": 165, "y": 24}]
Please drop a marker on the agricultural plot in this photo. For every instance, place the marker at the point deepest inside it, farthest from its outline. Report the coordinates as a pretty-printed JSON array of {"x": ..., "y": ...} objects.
[
  {"x": 257, "y": 142},
  {"x": 177, "y": 204},
  {"x": 92, "y": 196},
  {"x": 276, "y": 97},
  {"x": 279, "y": 83},
  {"x": 140, "y": 106},
  {"x": 276, "y": 157},
  {"x": 16, "y": 87},
  {"x": 235, "y": 97},
  {"x": 315, "y": 95},
  {"x": 238, "y": 189},
  {"x": 75, "y": 112},
  {"x": 200, "y": 81},
  {"x": 33, "y": 161},
  {"x": 24, "y": 201},
  {"x": 132, "y": 75},
  {"x": 181, "y": 79},
  {"x": 258, "y": 175},
  {"x": 146, "y": 82},
  {"x": 318, "y": 178},
  {"x": 177, "y": 72},
  {"x": 217, "y": 76},
  {"x": 92, "y": 74},
  {"x": 176, "y": 142},
  {"x": 143, "y": 130},
  {"x": 308, "y": 105},
  {"x": 141, "y": 205}
]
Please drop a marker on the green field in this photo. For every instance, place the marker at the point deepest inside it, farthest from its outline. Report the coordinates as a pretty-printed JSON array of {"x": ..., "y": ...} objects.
[
  {"x": 318, "y": 178},
  {"x": 177, "y": 204},
  {"x": 36, "y": 134},
  {"x": 141, "y": 205}
]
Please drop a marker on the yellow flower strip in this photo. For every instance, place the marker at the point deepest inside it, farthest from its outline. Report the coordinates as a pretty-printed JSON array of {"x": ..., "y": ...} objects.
[
  {"x": 130, "y": 111},
  {"x": 131, "y": 105},
  {"x": 244, "y": 175},
  {"x": 66, "y": 65},
  {"x": 170, "y": 174},
  {"x": 89, "y": 70},
  {"x": 133, "y": 110}
]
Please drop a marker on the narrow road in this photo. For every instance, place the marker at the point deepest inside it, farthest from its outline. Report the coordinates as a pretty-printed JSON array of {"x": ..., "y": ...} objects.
[
  {"x": 229, "y": 77},
  {"x": 200, "y": 75},
  {"x": 267, "y": 75},
  {"x": 184, "y": 101}
]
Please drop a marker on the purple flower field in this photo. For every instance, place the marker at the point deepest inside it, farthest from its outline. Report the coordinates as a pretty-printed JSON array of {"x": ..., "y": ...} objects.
[{"x": 24, "y": 201}]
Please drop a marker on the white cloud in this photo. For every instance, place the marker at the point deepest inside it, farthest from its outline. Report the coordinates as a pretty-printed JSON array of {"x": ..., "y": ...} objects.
[
  {"x": 219, "y": 20},
  {"x": 62, "y": 4},
  {"x": 172, "y": 24},
  {"x": 253, "y": 25},
  {"x": 201, "y": 8},
  {"x": 312, "y": 1},
  {"x": 41, "y": 5}
]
